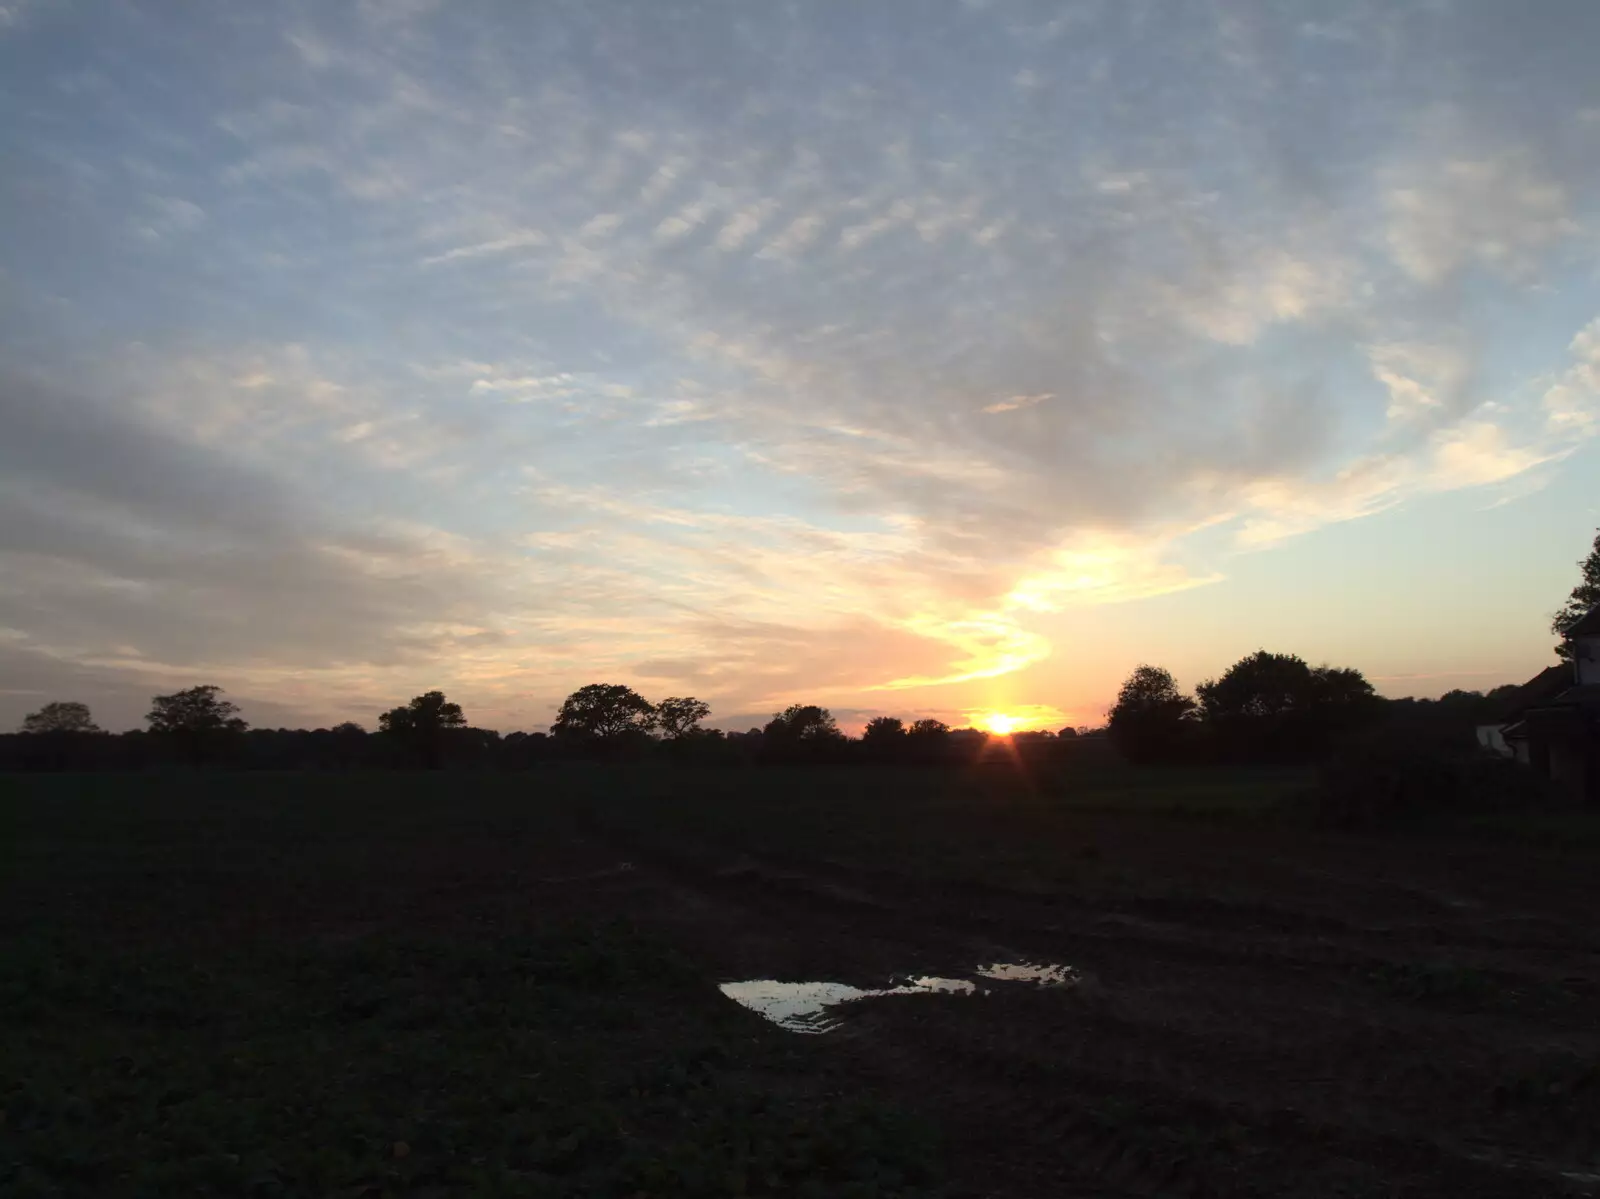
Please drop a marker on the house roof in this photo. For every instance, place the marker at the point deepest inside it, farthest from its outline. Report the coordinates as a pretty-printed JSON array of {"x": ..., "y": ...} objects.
[
  {"x": 1540, "y": 689},
  {"x": 1588, "y": 624},
  {"x": 1585, "y": 697}
]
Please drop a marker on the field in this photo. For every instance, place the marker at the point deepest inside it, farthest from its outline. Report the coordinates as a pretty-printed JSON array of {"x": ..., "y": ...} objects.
[{"x": 507, "y": 984}]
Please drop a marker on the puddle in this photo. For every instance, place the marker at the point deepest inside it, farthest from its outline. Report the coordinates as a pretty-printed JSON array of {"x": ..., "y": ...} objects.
[
  {"x": 803, "y": 1007},
  {"x": 1041, "y": 974},
  {"x": 808, "y": 1007},
  {"x": 948, "y": 986}
]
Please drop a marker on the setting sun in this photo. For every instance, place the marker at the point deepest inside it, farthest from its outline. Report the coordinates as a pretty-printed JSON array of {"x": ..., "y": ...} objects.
[
  {"x": 1017, "y": 718},
  {"x": 1000, "y": 724}
]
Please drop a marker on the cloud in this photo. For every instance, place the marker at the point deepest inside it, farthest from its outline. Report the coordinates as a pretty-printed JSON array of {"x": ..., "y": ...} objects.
[
  {"x": 743, "y": 225},
  {"x": 1012, "y": 403},
  {"x": 167, "y": 216},
  {"x": 796, "y": 236},
  {"x": 1274, "y": 287},
  {"x": 1572, "y": 403},
  {"x": 512, "y": 345},
  {"x": 14, "y": 14},
  {"x": 521, "y": 239},
  {"x": 1502, "y": 213},
  {"x": 1422, "y": 380},
  {"x": 127, "y": 549},
  {"x": 1483, "y": 445},
  {"x": 1478, "y": 453},
  {"x": 687, "y": 219}
]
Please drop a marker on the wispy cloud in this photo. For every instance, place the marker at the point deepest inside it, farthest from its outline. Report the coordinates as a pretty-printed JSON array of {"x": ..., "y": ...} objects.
[
  {"x": 1012, "y": 403},
  {"x": 522, "y": 239}
]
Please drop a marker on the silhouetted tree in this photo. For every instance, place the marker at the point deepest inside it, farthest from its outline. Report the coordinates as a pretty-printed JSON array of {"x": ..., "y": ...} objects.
[
  {"x": 430, "y": 710},
  {"x": 63, "y": 716},
  {"x": 421, "y": 725},
  {"x": 196, "y": 710},
  {"x": 884, "y": 738},
  {"x": 928, "y": 741},
  {"x": 679, "y": 716},
  {"x": 884, "y": 730},
  {"x": 1274, "y": 706},
  {"x": 604, "y": 711},
  {"x": 1152, "y": 718},
  {"x": 60, "y": 736},
  {"x": 197, "y": 721},
  {"x": 1258, "y": 686},
  {"x": 1069, "y": 731},
  {"x": 1343, "y": 699},
  {"x": 349, "y": 743},
  {"x": 1584, "y": 596},
  {"x": 803, "y": 722},
  {"x": 802, "y": 733}
]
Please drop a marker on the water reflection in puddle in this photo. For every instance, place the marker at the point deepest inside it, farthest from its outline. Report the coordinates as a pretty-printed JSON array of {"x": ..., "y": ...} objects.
[
  {"x": 1042, "y": 974},
  {"x": 805, "y": 1007},
  {"x": 949, "y": 986}
]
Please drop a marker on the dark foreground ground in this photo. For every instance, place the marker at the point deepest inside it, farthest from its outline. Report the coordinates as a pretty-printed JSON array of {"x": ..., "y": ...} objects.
[{"x": 506, "y": 985}]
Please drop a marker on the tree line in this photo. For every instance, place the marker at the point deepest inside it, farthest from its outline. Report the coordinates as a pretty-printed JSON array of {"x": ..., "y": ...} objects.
[
  {"x": 1277, "y": 708},
  {"x": 1265, "y": 708},
  {"x": 199, "y": 726}
]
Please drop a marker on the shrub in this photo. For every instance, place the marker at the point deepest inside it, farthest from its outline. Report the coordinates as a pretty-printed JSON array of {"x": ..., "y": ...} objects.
[{"x": 1389, "y": 780}]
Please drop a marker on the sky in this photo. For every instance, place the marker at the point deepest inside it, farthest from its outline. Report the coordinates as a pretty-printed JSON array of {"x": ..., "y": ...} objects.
[{"x": 923, "y": 359}]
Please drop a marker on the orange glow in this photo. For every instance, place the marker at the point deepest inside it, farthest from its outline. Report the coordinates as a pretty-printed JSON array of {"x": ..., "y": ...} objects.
[
  {"x": 1016, "y": 718},
  {"x": 1000, "y": 724}
]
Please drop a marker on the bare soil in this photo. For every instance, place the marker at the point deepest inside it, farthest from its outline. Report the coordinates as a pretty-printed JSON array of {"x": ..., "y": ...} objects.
[
  {"x": 1262, "y": 1011},
  {"x": 1262, "y": 1008}
]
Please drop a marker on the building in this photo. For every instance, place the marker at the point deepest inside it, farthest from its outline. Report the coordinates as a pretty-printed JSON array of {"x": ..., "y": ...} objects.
[
  {"x": 1542, "y": 688},
  {"x": 1553, "y": 721}
]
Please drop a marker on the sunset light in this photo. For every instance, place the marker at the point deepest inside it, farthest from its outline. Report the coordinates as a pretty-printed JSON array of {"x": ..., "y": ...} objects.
[{"x": 1088, "y": 504}]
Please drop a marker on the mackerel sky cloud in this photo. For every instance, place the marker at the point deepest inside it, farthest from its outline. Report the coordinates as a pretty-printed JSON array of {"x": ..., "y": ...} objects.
[{"x": 904, "y": 358}]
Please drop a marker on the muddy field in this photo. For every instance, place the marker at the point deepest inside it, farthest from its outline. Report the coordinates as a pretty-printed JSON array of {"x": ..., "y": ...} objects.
[{"x": 456, "y": 967}]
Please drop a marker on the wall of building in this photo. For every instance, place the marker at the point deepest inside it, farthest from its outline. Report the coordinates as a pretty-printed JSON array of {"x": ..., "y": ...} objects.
[
  {"x": 1586, "y": 652},
  {"x": 1491, "y": 738},
  {"x": 1569, "y": 762}
]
